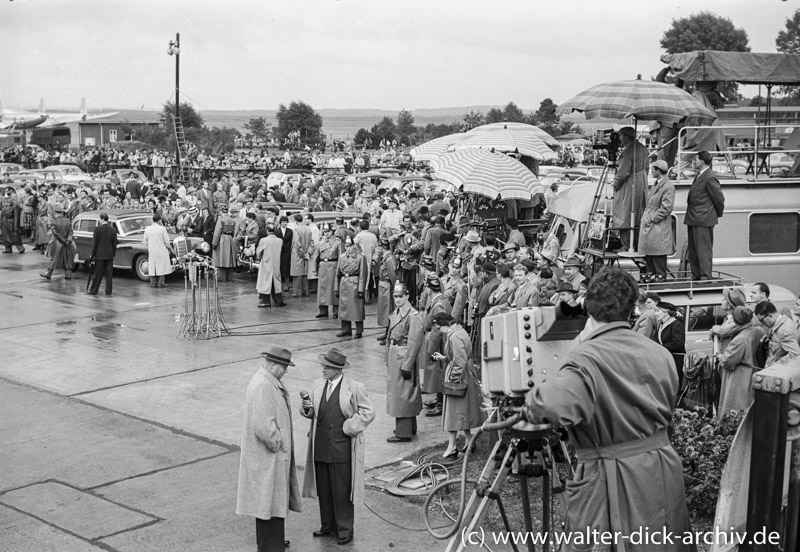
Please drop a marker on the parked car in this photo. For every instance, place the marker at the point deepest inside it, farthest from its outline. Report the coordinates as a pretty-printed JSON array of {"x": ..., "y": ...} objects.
[
  {"x": 131, "y": 251},
  {"x": 125, "y": 174},
  {"x": 280, "y": 177},
  {"x": 70, "y": 173},
  {"x": 18, "y": 181},
  {"x": 10, "y": 168}
]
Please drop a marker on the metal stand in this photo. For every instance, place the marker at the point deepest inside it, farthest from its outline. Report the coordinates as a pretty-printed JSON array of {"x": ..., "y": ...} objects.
[
  {"x": 202, "y": 317},
  {"x": 526, "y": 450}
]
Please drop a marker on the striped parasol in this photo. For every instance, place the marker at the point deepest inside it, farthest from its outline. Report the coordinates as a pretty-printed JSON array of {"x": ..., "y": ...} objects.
[
  {"x": 487, "y": 173},
  {"x": 519, "y": 127},
  {"x": 650, "y": 100},
  {"x": 432, "y": 149},
  {"x": 508, "y": 141}
]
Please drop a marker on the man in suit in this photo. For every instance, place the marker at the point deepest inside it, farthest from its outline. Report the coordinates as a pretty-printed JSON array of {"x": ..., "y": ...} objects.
[
  {"x": 268, "y": 485},
  {"x": 285, "y": 233},
  {"x": 300, "y": 253},
  {"x": 704, "y": 205},
  {"x": 104, "y": 247},
  {"x": 340, "y": 411},
  {"x": 205, "y": 198}
]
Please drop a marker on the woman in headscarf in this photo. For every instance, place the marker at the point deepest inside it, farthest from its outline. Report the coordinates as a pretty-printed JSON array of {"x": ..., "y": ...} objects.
[
  {"x": 465, "y": 412},
  {"x": 738, "y": 362}
]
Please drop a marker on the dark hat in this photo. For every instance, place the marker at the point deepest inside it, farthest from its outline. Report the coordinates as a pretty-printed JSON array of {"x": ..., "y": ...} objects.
[
  {"x": 734, "y": 296},
  {"x": 547, "y": 255},
  {"x": 667, "y": 306},
  {"x": 566, "y": 286},
  {"x": 279, "y": 355},
  {"x": 529, "y": 264},
  {"x": 654, "y": 296},
  {"x": 573, "y": 261},
  {"x": 742, "y": 315},
  {"x": 443, "y": 319},
  {"x": 433, "y": 282},
  {"x": 489, "y": 267},
  {"x": 511, "y": 247},
  {"x": 627, "y": 131},
  {"x": 428, "y": 260},
  {"x": 334, "y": 359}
]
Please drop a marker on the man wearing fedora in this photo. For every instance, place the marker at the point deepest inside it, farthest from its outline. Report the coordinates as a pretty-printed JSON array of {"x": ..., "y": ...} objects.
[
  {"x": 340, "y": 411},
  {"x": 268, "y": 485},
  {"x": 572, "y": 273}
]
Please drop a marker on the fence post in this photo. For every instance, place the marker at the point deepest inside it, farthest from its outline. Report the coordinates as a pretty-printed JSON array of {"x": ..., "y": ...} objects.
[{"x": 768, "y": 454}]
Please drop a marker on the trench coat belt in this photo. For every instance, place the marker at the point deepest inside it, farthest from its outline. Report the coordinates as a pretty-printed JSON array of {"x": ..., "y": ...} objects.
[
  {"x": 399, "y": 343},
  {"x": 228, "y": 233},
  {"x": 353, "y": 276},
  {"x": 608, "y": 455}
]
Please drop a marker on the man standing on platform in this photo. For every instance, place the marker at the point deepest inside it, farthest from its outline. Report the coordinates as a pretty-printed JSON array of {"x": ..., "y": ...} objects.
[
  {"x": 104, "y": 247},
  {"x": 268, "y": 485},
  {"x": 340, "y": 411},
  {"x": 630, "y": 186},
  {"x": 704, "y": 205}
]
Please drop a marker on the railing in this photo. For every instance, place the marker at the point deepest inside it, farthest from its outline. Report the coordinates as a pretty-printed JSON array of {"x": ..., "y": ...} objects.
[
  {"x": 776, "y": 418},
  {"x": 756, "y": 152}
]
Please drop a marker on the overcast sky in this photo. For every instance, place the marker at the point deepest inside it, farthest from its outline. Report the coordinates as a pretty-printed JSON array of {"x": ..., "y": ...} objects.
[{"x": 243, "y": 54}]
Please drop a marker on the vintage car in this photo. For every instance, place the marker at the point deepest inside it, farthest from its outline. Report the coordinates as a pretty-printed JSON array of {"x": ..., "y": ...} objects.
[
  {"x": 10, "y": 168},
  {"x": 17, "y": 181},
  {"x": 125, "y": 174},
  {"x": 70, "y": 173},
  {"x": 131, "y": 251}
]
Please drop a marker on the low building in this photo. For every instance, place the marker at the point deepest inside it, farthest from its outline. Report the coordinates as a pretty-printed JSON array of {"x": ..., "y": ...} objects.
[{"x": 122, "y": 127}]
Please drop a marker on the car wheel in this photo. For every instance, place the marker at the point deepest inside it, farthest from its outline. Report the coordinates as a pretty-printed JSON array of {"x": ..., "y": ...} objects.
[{"x": 141, "y": 266}]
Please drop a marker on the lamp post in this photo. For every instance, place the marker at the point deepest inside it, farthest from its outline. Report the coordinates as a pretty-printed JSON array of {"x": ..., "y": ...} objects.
[{"x": 174, "y": 49}]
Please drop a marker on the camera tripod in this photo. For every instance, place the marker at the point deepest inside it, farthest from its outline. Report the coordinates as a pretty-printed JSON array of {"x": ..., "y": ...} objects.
[{"x": 527, "y": 450}]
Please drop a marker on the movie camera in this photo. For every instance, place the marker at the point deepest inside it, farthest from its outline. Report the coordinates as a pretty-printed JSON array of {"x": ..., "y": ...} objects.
[
  {"x": 613, "y": 146},
  {"x": 520, "y": 350}
]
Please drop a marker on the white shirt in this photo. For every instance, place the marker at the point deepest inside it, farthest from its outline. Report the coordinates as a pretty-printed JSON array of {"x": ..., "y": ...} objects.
[{"x": 332, "y": 383}]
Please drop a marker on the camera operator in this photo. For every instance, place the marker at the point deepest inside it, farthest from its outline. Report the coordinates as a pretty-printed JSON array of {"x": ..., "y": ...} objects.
[{"x": 614, "y": 394}]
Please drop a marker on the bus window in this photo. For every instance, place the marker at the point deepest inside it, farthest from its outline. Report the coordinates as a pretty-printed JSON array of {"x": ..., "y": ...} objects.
[{"x": 774, "y": 233}]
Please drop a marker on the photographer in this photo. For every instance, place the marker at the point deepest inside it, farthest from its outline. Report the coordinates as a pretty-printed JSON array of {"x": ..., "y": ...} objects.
[{"x": 614, "y": 394}]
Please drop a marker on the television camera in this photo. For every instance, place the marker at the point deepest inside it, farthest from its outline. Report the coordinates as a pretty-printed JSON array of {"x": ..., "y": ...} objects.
[
  {"x": 613, "y": 146},
  {"x": 520, "y": 350}
]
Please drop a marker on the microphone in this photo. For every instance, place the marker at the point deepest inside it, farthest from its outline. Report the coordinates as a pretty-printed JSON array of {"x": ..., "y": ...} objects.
[{"x": 304, "y": 395}]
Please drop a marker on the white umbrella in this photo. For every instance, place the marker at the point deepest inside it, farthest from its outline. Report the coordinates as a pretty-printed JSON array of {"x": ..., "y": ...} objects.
[
  {"x": 519, "y": 127},
  {"x": 487, "y": 173},
  {"x": 432, "y": 149},
  {"x": 508, "y": 141}
]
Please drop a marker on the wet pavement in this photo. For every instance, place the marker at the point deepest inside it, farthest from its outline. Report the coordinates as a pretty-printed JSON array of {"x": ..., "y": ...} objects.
[{"x": 119, "y": 436}]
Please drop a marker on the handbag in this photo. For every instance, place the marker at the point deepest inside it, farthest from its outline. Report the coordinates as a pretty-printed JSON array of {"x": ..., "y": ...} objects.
[{"x": 454, "y": 389}]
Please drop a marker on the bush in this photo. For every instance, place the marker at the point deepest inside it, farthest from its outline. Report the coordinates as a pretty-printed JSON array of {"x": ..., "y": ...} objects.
[{"x": 703, "y": 444}]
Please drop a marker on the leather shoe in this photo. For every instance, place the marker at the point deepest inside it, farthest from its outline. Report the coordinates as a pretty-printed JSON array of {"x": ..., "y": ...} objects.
[
  {"x": 435, "y": 412},
  {"x": 45, "y": 275},
  {"x": 286, "y": 544},
  {"x": 281, "y": 305},
  {"x": 322, "y": 533},
  {"x": 357, "y": 336},
  {"x": 346, "y": 540},
  {"x": 320, "y": 315},
  {"x": 396, "y": 439},
  {"x": 262, "y": 305},
  {"x": 344, "y": 334},
  {"x": 430, "y": 404}
]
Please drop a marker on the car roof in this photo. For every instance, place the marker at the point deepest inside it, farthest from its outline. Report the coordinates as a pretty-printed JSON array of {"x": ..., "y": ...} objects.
[
  {"x": 115, "y": 214},
  {"x": 290, "y": 171}
]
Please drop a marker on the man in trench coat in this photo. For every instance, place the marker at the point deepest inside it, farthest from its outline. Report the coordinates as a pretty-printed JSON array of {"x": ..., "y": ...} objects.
[
  {"x": 630, "y": 186},
  {"x": 614, "y": 394},
  {"x": 301, "y": 251},
  {"x": 268, "y": 485},
  {"x": 340, "y": 411}
]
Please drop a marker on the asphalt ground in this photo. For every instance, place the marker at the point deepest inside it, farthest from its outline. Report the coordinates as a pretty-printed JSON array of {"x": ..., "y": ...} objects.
[{"x": 117, "y": 435}]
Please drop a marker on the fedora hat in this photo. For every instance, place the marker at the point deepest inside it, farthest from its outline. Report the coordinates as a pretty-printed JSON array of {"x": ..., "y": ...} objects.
[
  {"x": 280, "y": 355},
  {"x": 334, "y": 359},
  {"x": 573, "y": 261},
  {"x": 433, "y": 282},
  {"x": 472, "y": 237}
]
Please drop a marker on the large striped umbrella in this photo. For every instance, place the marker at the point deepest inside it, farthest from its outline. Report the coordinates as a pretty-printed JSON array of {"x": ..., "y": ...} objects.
[
  {"x": 432, "y": 149},
  {"x": 507, "y": 141},
  {"x": 641, "y": 99},
  {"x": 518, "y": 127},
  {"x": 485, "y": 172}
]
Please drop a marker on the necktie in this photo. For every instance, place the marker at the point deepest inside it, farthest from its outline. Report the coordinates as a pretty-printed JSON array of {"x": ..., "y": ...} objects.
[{"x": 328, "y": 391}]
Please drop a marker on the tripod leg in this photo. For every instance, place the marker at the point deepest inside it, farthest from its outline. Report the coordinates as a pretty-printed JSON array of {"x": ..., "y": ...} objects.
[
  {"x": 478, "y": 506},
  {"x": 526, "y": 506}
]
